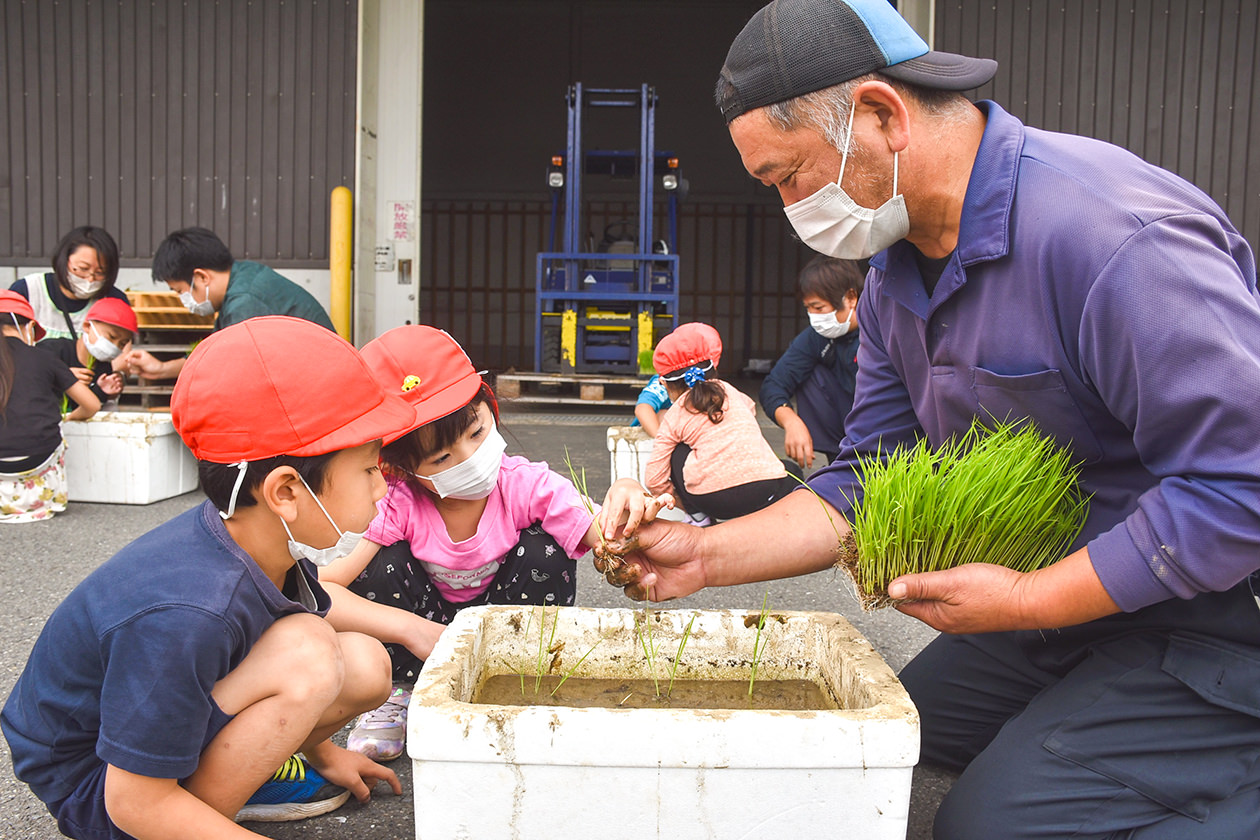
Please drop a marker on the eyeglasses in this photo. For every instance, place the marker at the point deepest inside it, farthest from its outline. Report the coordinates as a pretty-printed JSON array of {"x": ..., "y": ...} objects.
[{"x": 85, "y": 271}]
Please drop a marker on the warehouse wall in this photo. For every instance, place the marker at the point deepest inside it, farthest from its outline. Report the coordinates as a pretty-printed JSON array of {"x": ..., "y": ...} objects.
[
  {"x": 1174, "y": 81},
  {"x": 143, "y": 117}
]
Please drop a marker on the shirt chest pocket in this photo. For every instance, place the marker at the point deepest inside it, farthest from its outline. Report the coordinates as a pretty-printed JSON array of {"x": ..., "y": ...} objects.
[{"x": 1042, "y": 397}]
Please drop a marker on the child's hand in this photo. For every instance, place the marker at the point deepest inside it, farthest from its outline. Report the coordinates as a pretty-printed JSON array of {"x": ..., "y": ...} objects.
[
  {"x": 111, "y": 384},
  {"x": 352, "y": 771},
  {"x": 627, "y": 505},
  {"x": 82, "y": 374}
]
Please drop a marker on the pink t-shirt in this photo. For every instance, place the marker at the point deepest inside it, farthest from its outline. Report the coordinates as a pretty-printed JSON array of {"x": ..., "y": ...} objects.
[{"x": 527, "y": 492}]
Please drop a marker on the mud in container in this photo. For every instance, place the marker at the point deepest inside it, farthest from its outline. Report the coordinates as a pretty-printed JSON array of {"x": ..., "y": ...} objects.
[{"x": 539, "y": 771}]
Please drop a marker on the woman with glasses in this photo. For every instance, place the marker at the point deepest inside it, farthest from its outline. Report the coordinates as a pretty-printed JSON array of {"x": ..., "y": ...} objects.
[{"x": 85, "y": 268}]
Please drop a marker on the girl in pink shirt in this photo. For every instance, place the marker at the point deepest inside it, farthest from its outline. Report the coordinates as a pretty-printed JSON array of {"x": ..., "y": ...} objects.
[
  {"x": 461, "y": 523},
  {"x": 709, "y": 451}
]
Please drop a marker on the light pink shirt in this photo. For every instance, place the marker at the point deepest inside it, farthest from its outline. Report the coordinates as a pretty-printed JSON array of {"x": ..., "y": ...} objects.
[
  {"x": 723, "y": 455},
  {"x": 527, "y": 492}
]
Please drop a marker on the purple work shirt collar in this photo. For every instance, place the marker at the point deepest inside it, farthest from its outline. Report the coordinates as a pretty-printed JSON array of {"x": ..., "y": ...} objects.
[{"x": 985, "y": 230}]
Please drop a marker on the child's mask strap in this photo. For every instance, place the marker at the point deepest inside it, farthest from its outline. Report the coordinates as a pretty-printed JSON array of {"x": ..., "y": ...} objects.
[{"x": 236, "y": 488}]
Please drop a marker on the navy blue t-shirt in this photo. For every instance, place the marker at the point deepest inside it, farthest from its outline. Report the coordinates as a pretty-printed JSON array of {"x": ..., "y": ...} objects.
[{"x": 123, "y": 670}]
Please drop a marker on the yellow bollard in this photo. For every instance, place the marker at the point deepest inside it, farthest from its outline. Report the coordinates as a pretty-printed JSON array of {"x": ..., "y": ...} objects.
[{"x": 340, "y": 255}]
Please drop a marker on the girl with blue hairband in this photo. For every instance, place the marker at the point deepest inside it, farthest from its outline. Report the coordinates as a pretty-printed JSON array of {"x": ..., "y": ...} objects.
[{"x": 709, "y": 451}]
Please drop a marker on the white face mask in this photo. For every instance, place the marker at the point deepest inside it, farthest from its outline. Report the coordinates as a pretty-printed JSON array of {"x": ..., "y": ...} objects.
[
  {"x": 828, "y": 325},
  {"x": 101, "y": 348},
  {"x": 322, "y": 556},
  {"x": 200, "y": 308},
  {"x": 476, "y": 477},
  {"x": 83, "y": 289},
  {"x": 832, "y": 223},
  {"x": 27, "y": 335}
]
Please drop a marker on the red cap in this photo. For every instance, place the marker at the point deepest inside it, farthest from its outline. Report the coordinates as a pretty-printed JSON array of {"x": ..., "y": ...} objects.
[
  {"x": 111, "y": 310},
  {"x": 427, "y": 368},
  {"x": 11, "y": 301},
  {"x": 689, "y": 344},
  {"x": 276, "y": 385}
]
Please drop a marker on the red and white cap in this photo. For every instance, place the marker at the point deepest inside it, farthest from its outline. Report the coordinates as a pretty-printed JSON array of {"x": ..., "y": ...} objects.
[
  {"x": 427, "y": 368},
  {"x": 689, "y": 345},
  {"x": 276, "y": 385},
  {"x": 111, "y": 310},
  {"x": 12, "y": 302}
]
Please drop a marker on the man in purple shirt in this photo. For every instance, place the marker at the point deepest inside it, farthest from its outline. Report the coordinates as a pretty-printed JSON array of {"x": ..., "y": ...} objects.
[{"x": 1020, "y": 273}]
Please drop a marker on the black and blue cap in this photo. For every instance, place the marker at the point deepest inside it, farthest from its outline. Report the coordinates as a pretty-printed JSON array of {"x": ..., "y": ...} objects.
[{"x": 794, "y": 47}]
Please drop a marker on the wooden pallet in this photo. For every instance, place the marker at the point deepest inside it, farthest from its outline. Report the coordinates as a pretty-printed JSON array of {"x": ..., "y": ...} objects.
[{"x": 571, "y": 389}]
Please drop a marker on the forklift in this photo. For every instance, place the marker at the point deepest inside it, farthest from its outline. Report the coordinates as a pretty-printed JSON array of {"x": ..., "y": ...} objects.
[{"x": 601, "y": 307}]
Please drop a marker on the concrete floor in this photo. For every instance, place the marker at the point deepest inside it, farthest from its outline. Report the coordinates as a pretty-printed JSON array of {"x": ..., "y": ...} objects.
[{"x": 41, "y": 562}]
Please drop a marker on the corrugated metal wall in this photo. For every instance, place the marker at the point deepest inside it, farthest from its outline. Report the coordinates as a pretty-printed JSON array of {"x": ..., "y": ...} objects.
[
  {"x": 1174, "y": 81},
  {"x": 143, "y": 117}
]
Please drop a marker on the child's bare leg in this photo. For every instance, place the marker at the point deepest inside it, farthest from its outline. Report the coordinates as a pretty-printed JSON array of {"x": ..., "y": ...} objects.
[
  {"x": 367, "y": 684},
  {"x": 288, "y": 688}
]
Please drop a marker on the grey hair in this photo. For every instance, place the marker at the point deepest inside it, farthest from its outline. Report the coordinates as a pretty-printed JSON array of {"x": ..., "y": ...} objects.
[{"x": 827, "y": 111}]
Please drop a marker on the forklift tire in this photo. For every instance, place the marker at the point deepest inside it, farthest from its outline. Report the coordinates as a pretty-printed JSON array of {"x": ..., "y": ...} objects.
[{"x": 551, "y": 350}]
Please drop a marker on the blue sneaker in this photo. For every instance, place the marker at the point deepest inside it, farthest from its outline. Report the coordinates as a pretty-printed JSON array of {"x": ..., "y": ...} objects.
[{"x": 296, "y": 791}]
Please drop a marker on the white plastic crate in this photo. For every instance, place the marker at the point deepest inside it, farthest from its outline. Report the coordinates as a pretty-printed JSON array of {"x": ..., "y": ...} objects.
[
  {"x": 537, "y": 772},
  {"x": 126, "y": 457}
]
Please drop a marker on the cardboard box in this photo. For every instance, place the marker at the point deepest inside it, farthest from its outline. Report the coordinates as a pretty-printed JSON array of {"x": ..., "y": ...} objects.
[{"x": 127, "y": 457}]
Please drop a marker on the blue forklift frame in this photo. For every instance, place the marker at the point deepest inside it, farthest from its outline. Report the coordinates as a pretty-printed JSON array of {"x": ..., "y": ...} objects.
[{"x": 611, "y": 306}]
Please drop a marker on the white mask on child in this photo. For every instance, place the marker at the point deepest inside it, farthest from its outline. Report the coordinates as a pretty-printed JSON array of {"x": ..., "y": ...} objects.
[
  {"x": 101, "y": 348},
  {"x": 27, "y": 335},
  {"x": 322, "y": 556},
  {"x": 476, "y": 477}
]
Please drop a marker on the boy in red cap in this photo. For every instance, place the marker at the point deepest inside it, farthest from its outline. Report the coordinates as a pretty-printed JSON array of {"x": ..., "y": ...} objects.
[
  {"x": 174, "y": 680},
  {"x": 33, "y": 387},
  {"x": 463, "y": 523},
  {"x": 96, "y": 354},
  {"x": 709, "y": 451}
]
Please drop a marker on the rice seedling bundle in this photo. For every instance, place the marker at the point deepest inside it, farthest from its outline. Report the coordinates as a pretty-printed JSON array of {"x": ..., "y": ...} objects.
[{"x": 1007, "y": 496}]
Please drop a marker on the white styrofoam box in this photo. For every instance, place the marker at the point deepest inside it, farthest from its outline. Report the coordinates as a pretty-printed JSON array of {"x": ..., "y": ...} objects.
[
  {"x": 538, "y": 772},
  {"x": 126, "y": 457},
  {"x": 629, "y": 448}
]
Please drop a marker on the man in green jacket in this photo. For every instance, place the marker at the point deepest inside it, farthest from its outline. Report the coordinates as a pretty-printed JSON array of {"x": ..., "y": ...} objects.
[{"x": 196, "y": 264}]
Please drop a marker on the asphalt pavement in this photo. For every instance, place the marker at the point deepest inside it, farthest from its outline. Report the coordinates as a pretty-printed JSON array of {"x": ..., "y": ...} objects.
[{"x": 41, "y": 562}]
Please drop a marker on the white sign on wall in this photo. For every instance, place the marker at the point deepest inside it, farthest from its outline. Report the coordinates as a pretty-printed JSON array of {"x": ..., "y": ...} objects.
[
  {"x": 402, "y": 221},
  {"x": 385, "y": 256}
]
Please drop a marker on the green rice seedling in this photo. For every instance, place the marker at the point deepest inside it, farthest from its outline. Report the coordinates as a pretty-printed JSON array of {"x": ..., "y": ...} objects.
[
  {"x": 579, "y": 481},
  {"x": 759, "y": 641},
  {"x": 569, "y": 672},
  {"x": 673, "y": 671},
  {"x": 1005, "y": 495},
  {"x": 647, "y": 640},
  {"x": 547, "y": 646},
  {"x": 610, "y": 557}
]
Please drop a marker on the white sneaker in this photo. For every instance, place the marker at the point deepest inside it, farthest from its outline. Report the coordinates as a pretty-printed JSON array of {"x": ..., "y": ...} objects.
[{"x": 382, "y": 733}]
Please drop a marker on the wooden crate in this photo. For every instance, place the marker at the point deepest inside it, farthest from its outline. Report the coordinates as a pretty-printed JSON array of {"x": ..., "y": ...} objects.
[
  {"x": 568, "y": 389},
  {"x": 162, "y": 310}
]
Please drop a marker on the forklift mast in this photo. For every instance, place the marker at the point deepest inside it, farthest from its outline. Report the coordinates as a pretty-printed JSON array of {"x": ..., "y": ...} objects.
[{"x": 603, "y": 311}]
